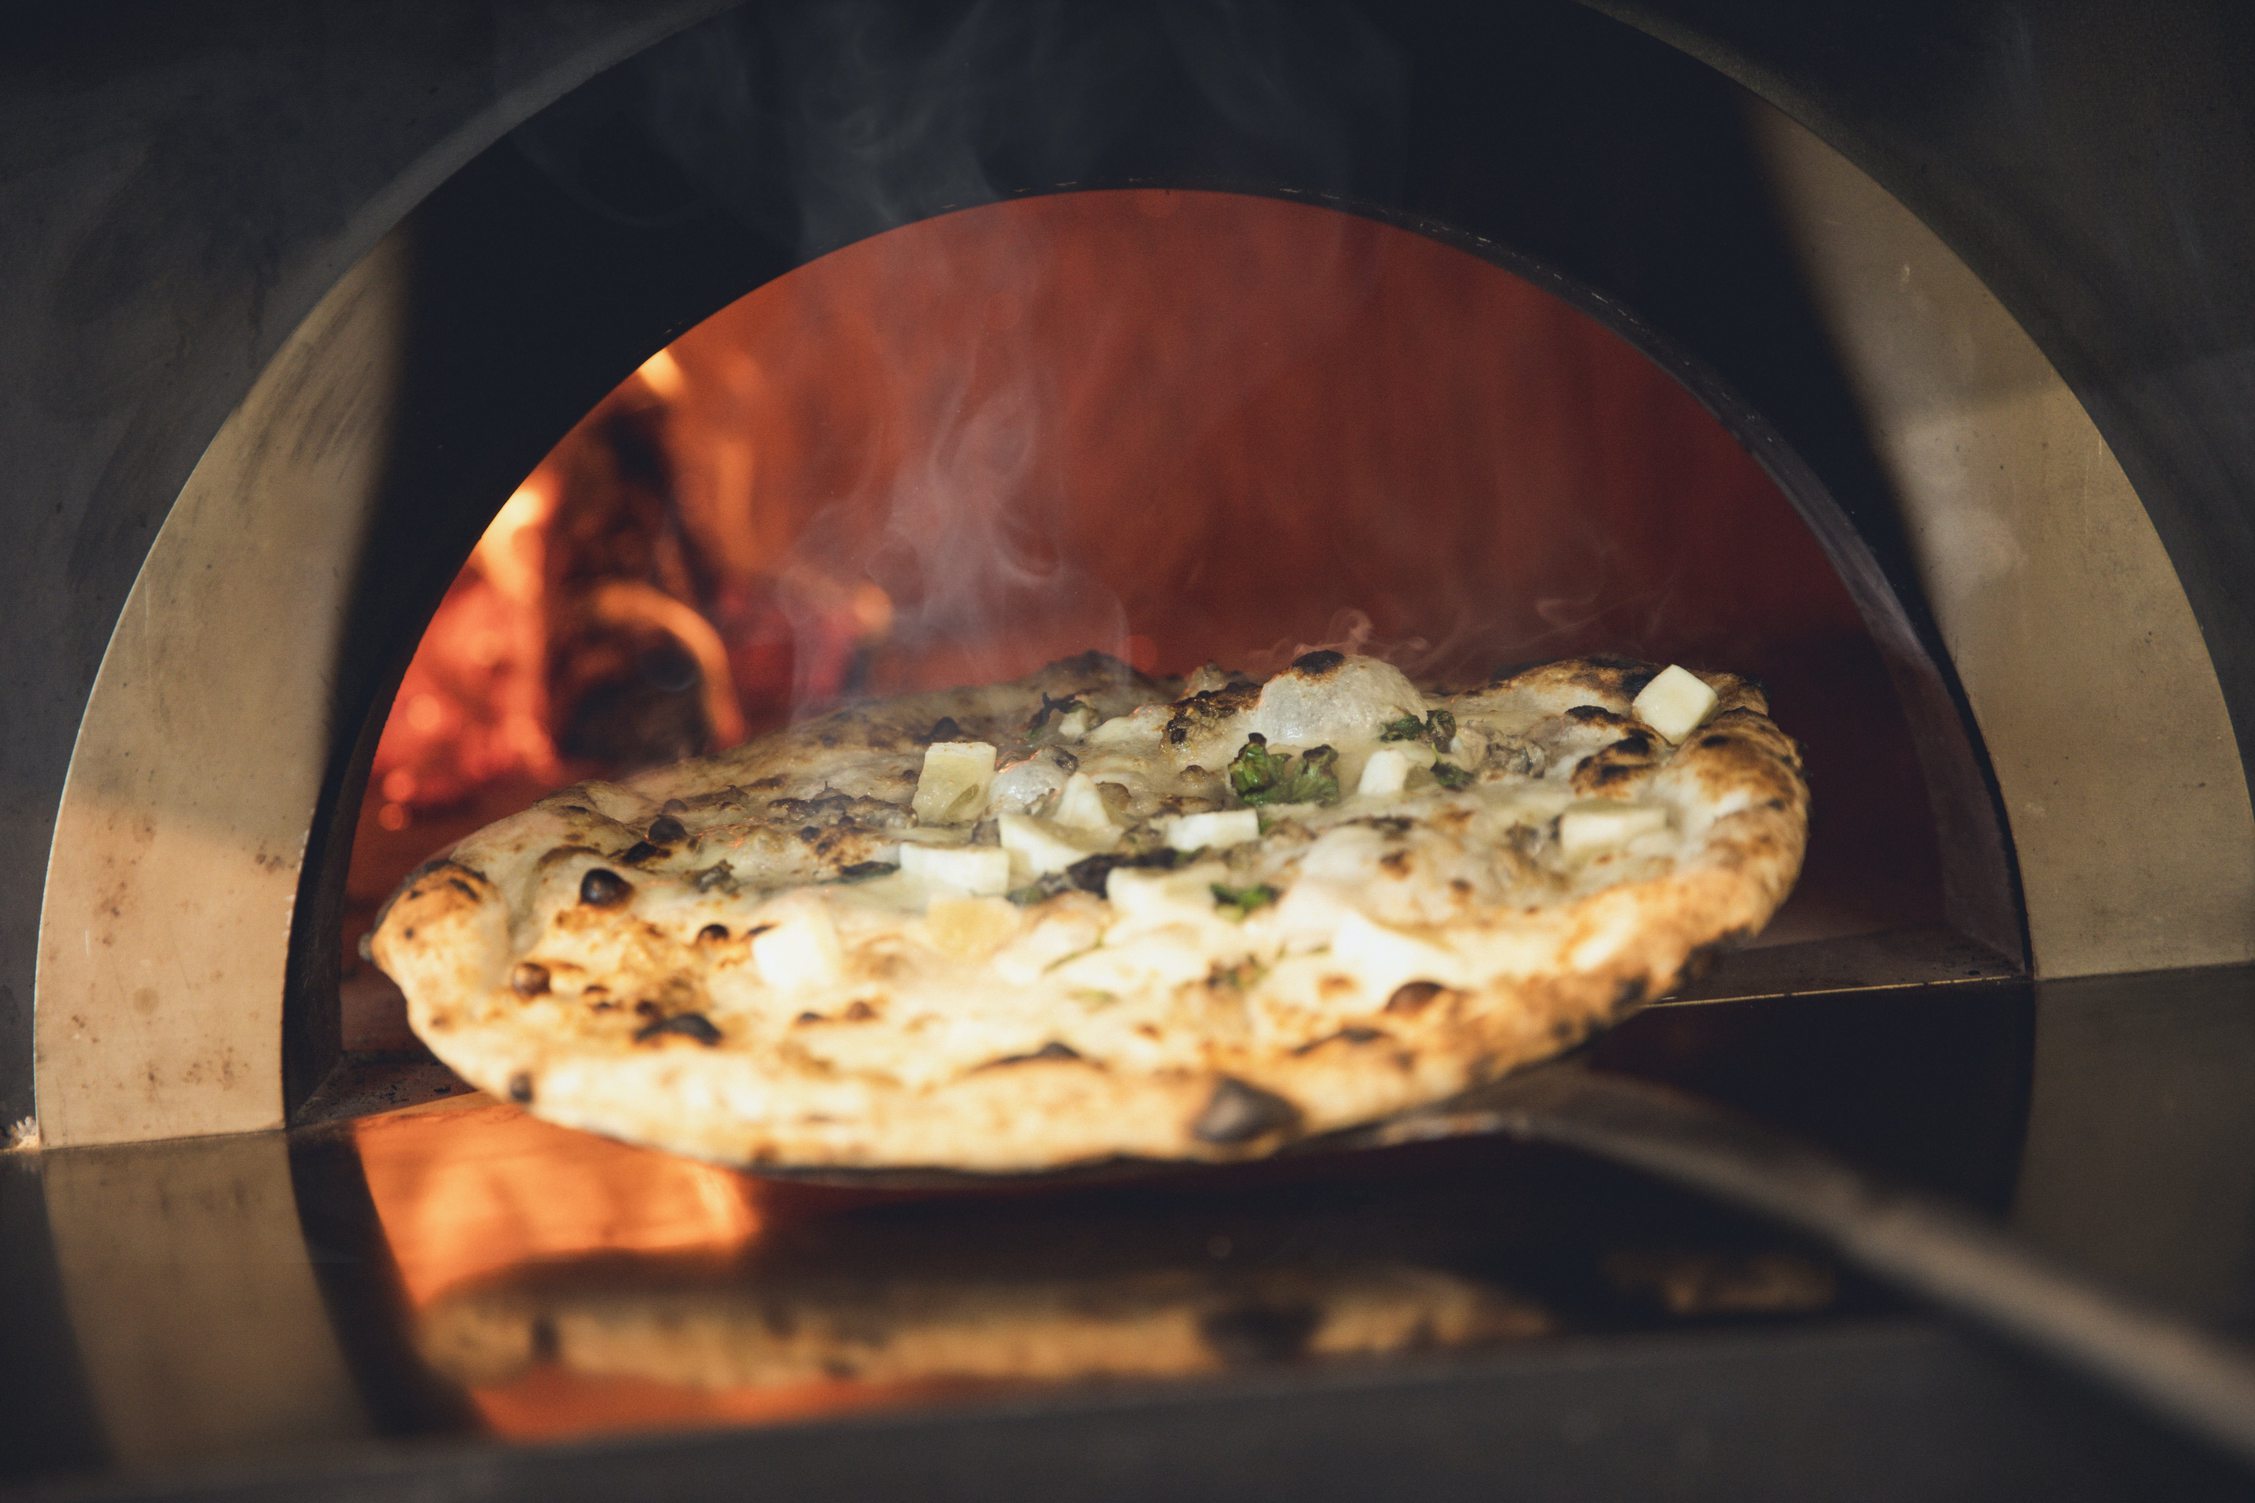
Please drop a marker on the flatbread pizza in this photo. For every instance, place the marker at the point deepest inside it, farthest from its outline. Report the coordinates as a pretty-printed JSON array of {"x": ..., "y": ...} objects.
[{"x": 1092, "y": 914}]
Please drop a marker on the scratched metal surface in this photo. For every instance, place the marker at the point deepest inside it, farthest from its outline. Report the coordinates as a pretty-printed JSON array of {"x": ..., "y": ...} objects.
[{"x": 457, "y": 1275}]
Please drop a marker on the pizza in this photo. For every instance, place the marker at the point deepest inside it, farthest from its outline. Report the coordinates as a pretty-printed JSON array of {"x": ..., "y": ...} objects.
[{"x": 1092, "y": 915}]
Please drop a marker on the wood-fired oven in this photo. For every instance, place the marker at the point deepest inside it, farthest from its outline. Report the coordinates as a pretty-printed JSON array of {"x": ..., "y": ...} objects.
[{"x": 1941, "y": 319}]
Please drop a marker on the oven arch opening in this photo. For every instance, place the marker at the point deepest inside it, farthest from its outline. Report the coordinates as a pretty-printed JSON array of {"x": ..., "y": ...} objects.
[
  {"x": 1177, "y": 427},
  {"x": 390, "y": 501}
]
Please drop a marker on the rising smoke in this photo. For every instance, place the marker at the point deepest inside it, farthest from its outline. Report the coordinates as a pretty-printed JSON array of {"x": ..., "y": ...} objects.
[{"x": 822, "y": 125}]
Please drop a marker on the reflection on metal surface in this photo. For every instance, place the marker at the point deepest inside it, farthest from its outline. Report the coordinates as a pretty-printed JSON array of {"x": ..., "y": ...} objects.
[
  {"x": 568, "y": 1285},
  {"x": 2077, "y": 649},
  {"x": 781, "y": 1339},
  {"x": 2140, "y": 1164},
  {"x": 474, "y": 1187},
  {"x": 1698, "y": 1282},
  {"x": 1894, "y": 959},
  {"x": 192, "y": 1297}
]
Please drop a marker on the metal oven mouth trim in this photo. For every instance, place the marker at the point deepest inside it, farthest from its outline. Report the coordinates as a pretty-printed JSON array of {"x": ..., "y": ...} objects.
[{"x": 197, "y": 771}]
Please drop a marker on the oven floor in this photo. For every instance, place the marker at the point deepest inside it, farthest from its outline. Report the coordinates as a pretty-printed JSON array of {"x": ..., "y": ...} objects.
[{"x": 456, "y": 1299}]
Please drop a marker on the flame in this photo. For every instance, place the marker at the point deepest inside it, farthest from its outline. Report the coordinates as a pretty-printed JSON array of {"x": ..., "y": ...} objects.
[
  {"x": 971, "y": 470},
  {"x": 472, "y": 708},
  {"x": 509, "y": 554},
  {"x": 663, "y": 375},
  {"x": 478, "y": 706}
]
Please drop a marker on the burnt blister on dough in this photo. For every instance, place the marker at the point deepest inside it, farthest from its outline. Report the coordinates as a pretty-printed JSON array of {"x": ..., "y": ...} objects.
[
  {"x": 1353, "y": 1033},
  {"x": 1413, "y": 997},
  {"x": 689, "y": 1025},
  {"x": 1237, "y": 1112},
  {"x": 1209, "y": 708},
  {"x": 1053, "y": 1050},
  {"x": 603, "y": 888}
]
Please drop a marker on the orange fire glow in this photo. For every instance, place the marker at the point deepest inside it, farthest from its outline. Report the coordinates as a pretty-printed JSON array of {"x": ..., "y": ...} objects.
[
  {"x": 475, "y": 1190},
  {"x": 1177, "y": 426},
  {"x": 473, "y": 707},
  {"x": 478, "y": 705}
]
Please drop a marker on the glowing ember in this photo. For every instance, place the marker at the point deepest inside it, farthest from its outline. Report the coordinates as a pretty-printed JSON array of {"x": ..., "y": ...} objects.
[{"x": 480, "y": 703}]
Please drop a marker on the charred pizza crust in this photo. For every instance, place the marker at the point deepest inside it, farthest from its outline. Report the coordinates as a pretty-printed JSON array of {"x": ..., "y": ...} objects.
[{"x": 720, "y": 959}]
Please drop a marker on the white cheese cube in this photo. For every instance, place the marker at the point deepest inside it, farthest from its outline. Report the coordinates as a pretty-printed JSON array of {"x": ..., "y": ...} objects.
[
  {"x": 799, "y": 950},
  {"x": 1150, "y": 899},
  {"x": 1036, "y": 846},
  {"x": 954, "y": 783},
  {"x": 1674, "y": 703},
  {"x": 1075, "y": 723},
  {"x": 1385, "y": 774},
  {"x": 976, "y": 869},
  {"x": 1598, "y": 824},
  {"x": 1223, "y": 827},
  {"x": 1081, "y": 807}
]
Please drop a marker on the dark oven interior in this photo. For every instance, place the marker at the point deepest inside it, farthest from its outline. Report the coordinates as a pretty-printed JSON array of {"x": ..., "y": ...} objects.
[{"x": 446, "y": 405}]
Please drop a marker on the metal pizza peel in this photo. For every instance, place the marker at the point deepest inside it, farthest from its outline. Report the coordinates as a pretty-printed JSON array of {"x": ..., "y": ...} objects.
[{"x": 1921, "y": 1246}]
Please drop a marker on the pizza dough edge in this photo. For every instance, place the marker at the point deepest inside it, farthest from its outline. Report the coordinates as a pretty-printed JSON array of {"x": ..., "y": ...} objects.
[{"x": 446, "y": 939}]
